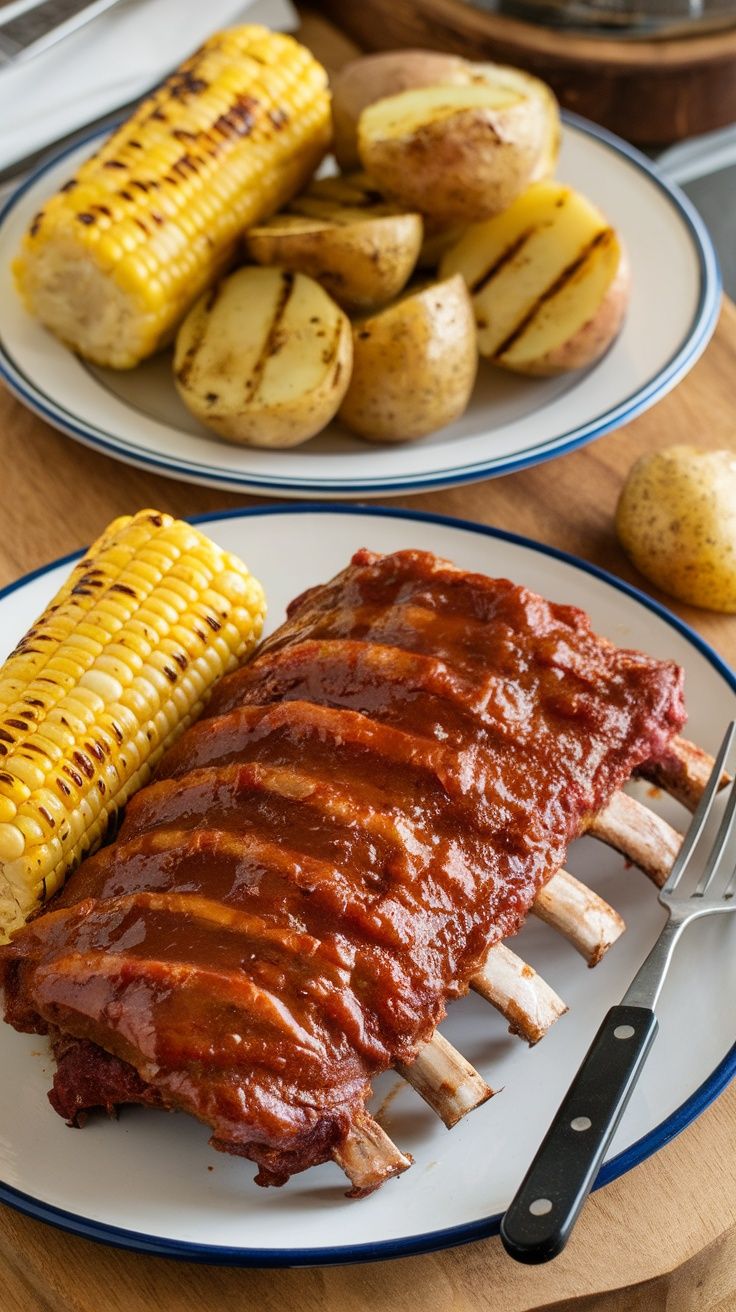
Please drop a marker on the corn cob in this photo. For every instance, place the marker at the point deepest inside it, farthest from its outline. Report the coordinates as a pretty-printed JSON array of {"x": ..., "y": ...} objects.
[
  {"x": 115, "y": 669},
  {"x": 112, "y": 263}
]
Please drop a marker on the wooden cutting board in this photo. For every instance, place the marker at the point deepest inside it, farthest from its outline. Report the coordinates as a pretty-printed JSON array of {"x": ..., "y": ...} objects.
[{"x": 662, "y": 1238}]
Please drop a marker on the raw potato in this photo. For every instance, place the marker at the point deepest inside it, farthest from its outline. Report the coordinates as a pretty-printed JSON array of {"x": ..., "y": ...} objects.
[
  {"x": 414, "y": 365},
  {"x": 676, "y": 519},
  {"x": 372, "y": 77},
  {"x": 549, "y": 279},
  {"x": 264, "y": 358},
  {"x": 362, "y": 252}
]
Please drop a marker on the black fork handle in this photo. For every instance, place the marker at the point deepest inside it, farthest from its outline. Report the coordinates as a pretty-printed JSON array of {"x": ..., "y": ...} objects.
[{"x": 539, "y": 1221}]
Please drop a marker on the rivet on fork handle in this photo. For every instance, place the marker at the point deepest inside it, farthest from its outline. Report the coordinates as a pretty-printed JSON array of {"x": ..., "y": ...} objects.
[{"x": 538, "y": 1223}]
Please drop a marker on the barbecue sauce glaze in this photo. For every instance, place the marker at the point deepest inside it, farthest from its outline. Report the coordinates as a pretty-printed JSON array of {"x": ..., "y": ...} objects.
[{"x": 324, "y": 858}]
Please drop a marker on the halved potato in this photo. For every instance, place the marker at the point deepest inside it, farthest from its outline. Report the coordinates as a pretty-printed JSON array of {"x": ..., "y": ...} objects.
[
  {"x": 456, "y": 153},
  {"x": 414, "y": 364},
  {"x": 264, "y": 358},
  {"x": 549, "y": 280},
  {"x": 504, "y": 76},
  {"x": 370, "y": 78},
  {"x": 362, "y": 254}
]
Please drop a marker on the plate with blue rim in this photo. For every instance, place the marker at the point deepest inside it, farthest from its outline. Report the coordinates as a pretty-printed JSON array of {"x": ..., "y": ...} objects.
[
  {"x": 150, "y": 1182},
  {"x": 511, "y": 422}
]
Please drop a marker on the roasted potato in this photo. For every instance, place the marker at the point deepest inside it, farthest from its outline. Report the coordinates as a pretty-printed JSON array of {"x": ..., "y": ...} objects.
[
  {"x": 676, "y": 519},
  {"x": 414, "y": 365},
  {"x": 372, "y": 77},
  {"x": 264, "y": 358},
  {"x": 504, "y": 76},
  {"x": 438, "y": 238},
  {"x": 456, "y": 153},
  {"x": 362, "y": 252},
  {"x": 549, "y": 280}
]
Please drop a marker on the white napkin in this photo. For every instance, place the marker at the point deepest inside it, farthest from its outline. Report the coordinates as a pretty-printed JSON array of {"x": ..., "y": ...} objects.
[{"x": 117, "y": 57}]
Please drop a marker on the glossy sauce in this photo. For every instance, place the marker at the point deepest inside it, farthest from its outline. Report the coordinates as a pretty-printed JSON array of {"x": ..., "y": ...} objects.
[{"x": 324, "y": 859}]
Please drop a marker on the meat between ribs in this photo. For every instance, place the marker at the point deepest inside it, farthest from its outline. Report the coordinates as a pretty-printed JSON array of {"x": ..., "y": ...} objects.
[{"x": 323, "y": 860}]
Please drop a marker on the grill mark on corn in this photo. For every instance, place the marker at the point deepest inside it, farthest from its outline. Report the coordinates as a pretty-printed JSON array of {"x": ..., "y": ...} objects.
[
  {"x": 271, "y": 340},
  {"x": 239, "y": 120},
  {"x": 601, "y": 238},
  {"x": 504, "y": 258}
]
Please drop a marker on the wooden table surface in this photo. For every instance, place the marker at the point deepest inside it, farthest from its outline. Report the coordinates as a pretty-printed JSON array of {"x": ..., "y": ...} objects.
[{"x": 661, "y": 1237}]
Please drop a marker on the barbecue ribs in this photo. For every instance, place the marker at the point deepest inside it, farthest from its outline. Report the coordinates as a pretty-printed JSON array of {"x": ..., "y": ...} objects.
[{"x": 324, "y": 859}]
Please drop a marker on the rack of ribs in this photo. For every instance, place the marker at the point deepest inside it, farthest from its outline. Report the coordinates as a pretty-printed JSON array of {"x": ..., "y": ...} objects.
[{"x": 340, "y": 847}]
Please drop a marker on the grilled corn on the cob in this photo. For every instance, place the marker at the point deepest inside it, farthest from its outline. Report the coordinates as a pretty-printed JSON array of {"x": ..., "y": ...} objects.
[
  {"x": 112, "y": 263},
  {"x": 113, "y": 671}
]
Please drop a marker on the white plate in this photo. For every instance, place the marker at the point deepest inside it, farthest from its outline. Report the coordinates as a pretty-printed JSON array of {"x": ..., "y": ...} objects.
[
  {"x": 150, "y": 1181},
  {"x": 511, "y": 422}
]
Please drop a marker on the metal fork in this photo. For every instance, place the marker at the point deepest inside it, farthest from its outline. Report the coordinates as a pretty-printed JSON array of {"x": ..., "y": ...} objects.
[{"x": 539, "y": 1221}]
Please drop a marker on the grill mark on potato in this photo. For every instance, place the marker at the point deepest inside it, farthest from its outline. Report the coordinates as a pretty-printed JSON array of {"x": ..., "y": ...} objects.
[
  {"x": 184, "y": 371},
  {"x": 270, "y": 341},
  {"x": 502, "y": 260},
  {"x": 601, "y": 238},
  {"x": 329, "y": 353}
]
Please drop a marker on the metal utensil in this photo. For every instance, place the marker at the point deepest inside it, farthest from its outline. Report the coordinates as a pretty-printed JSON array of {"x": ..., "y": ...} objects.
[
  {"x": 27, "y": 27},
  {"x": 538, "y": 1223}
]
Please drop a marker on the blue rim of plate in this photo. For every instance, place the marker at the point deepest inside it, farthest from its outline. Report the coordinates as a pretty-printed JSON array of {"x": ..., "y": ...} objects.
[
  {"x": 470, "y": 1231},
  {"x": 209, "y": 475}
]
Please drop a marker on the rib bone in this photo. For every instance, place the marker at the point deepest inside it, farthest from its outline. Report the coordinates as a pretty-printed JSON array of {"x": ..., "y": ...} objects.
[
  {"x": 520, "y": 994},
  {"x": 445, "y": 1080},
  {"x": 440, "y": 1074},
  {"x": 368, "y": 1156},
  {"x": 639, "y": 834},
  {"x": 683, "y": 772},
  {"x": 581, "y": 915}
]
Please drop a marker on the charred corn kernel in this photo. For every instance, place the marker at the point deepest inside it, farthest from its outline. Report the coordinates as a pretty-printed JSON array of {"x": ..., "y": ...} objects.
[
  {"x": 101, "y": 685},
  {"x": 112, "y": 263}
]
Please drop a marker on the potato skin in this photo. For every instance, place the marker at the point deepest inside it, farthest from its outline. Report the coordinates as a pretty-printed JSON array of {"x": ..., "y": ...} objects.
[
  {"x": 461, "y": 168},
  {"x": 676, "y": 519},
  {"x": 361, "y": 265},
  {"x": 552, "y": 140},
  {"x": 414, "y": 365},
  {"x": 591, "y": 341},
  {"x": 372, "y": 77}
]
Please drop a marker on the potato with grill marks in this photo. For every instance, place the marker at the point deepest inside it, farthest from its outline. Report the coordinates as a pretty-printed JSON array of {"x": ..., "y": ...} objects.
[
  {"x": 371, "y": 77},
  {"x": 549, "y": 280},
  {"x": 456, "y": 153},
  {"x": 362, "y": 250},
  {"x": 374, "y": 77},
  {"x": 264, "y": 358}
]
